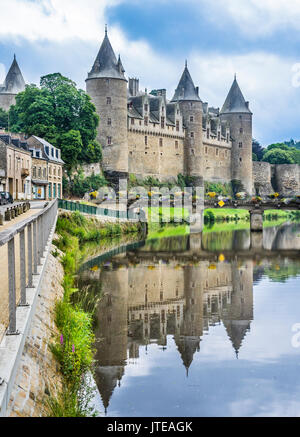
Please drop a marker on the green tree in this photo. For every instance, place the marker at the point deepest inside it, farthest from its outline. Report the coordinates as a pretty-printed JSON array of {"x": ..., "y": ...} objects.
[
  {"x": 278, "y": 156},
  {"x": 257, "y": 149},
  {"x": 59, "y": 112}
]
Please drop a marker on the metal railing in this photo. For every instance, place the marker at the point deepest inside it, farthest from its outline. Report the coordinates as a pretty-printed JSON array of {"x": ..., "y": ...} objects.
[
  {"x": 95, "y": 210},
  {"x": 31, "y": 237}
]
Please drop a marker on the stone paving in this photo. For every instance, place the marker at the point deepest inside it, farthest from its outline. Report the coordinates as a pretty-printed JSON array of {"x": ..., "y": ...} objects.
[{"x": 38, "y": 375}]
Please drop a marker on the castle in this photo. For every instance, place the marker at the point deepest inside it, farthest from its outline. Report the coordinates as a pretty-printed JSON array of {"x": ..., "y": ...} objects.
[
  {"x": 144, "y": 134},
  {"x": 147, "y": 135}
]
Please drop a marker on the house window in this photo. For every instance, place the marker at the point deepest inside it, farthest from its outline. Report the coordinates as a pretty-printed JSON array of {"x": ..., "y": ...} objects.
[
  {"x": 146, "y": 140},
  {"x": 108, "y": 100},
  {"x": 162, "y": 124},
  {"x": 109, "y": 122},
  {"x": 34, "y": 172},
  {"x": 37, "y": 153},
  {"x": 56, "y": 152},
  {"x": 47, "y": 151},
  {"x": 240, "y": 145},
  {"x": 44, "y": 173},
  {"x": 146, "y": 121},
  {"x": 177, "y": 125},
  {"x": 40, "y": 172},
  {"x": 161, "y": 142},
  {"x": 109, "y": 141},
  {"x": 191, "y": 118}
]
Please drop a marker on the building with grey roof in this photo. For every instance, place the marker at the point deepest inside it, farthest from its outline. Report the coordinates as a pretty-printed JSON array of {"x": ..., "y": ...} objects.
[
  {"x": 13, "y": 84},
  {"x": 145, "y": 134}
]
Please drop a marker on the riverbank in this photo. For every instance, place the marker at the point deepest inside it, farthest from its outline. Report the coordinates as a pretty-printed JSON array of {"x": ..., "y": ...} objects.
[{"x": 73, "y": 347}]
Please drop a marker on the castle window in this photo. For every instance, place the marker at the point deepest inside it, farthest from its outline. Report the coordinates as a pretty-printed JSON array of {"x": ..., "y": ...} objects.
[
  {"x": 177, "y": 125},
  {"x": 162, "y": 109},
  {"x": 206, "y": 150},
  {"x": 192, "y": 152},
  {"x": 140, "y": 123},
  {"x": 161, "y": 142},
  {"x": 176, "y": 144},
  {"x": 108, "y": 100},
  {"x": 146, "y": 140},
  {"x": 109, "y": 122},
  {"x": 109, "y": 141},
  {"x": 240, "y": 159},
  {"x": 219, "y": 136},
  {"x": 146, "y": 121},
  {"x": 162, "y": 122},
  {"x": 241, "y": 130},
  {"x": 192, "y": 134},
  {"x": 217, "y": 152},
  {"x": 207, "y": 133},
  {"x": 240, "y": 117},
  {"x": 146, "y": 107},
  {"x": 191, "y": 103},
  {"x": 227, "y": 138},
  {"x": 191, "y": 118},
  {"x": 240, "y": 145},
  {"x": 225, "y": 152},
  {"x": 132, "y": 120}
]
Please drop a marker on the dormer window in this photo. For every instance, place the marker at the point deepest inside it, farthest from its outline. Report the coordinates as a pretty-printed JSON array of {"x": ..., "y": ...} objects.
[
  {"x": 52, "y": 152},
  {"x": 177, "y": 125},
  {"x": 47, "y": 150},
  {"x": 132, "y": 120},
  {"x": 146, "y": 121},
  {"x": 219, "y": 136},
  {"x": 227, "y": 138},
  {"x": 207, "y": 133},
  {"x": 162, "y": 124},
  {"x": 162, "y": 109},
  {"x": 56, "y": 152},
  {"x": 146, "y": 107}
]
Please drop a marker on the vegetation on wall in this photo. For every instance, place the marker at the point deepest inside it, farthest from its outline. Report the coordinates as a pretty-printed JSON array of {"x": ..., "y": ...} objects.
[
  {"x": 61, "y": 114},
  {"x": 79, "y": 185}
]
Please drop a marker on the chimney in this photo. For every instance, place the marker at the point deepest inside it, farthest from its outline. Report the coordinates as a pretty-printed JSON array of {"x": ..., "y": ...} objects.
[{"x": 133, "y": 86}]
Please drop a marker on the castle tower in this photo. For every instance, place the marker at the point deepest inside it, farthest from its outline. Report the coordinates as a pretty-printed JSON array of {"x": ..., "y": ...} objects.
[
  {"x": 236, "y": 111},
  {"x": 186, "y": 95},
  {"x": 107, "y": 87},
  {"x": 14, "y": 83}
]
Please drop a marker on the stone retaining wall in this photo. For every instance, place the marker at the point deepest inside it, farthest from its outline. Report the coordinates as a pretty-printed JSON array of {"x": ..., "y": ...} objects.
[{"x": 38, "y": 375}]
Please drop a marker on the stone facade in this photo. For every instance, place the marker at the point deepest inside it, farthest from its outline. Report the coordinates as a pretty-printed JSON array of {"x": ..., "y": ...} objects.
[
  {"x": 284, "y": 178},
  {"x": 147, "y": 135},
  {"x": 15, "y": 167},
  {"x": 38, "y": 375}
]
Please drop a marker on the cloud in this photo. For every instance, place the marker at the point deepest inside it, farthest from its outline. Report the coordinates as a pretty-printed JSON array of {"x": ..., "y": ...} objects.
[
  {"x": 54, "y": 20},
  {"x": 255, "y": 17},
  {"x": 2, "y": 74}
]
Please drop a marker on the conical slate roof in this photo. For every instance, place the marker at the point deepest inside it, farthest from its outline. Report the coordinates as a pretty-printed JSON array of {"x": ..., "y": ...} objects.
[
  {"x": 235, "y": 101},
  {"x": 186, "y": 89},
  {"x": 14, "y": 82},
  {"x": 106, "y": 64}
]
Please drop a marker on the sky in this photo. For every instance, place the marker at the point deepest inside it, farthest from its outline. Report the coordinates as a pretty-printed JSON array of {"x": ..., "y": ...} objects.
[{"x": 259, "y": 40}]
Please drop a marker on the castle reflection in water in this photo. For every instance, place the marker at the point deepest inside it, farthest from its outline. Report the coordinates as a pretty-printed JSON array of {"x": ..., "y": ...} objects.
[{"x": 148, "y": 296}]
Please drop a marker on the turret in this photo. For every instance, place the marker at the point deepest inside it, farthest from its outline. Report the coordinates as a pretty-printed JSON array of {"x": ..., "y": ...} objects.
[
  {"x": 14, "y": 83},
  {"x": 236, "y": 111},
  {"x": 107, "y": 87},
  {"x": 186, "y": 95}
]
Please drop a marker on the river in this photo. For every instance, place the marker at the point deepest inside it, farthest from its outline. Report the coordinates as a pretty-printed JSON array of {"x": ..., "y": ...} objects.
[{"x": 199, "y": 325}]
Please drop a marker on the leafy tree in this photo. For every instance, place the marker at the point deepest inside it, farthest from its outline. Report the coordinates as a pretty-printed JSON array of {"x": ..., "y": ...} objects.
[
  {"x": 257, "y": 149},
  {"x": 3, "y": 119},
  {"x": 254, "y": 157},
  {"x": 62, "y": 114},
  {"x": 278, "y": 156}
]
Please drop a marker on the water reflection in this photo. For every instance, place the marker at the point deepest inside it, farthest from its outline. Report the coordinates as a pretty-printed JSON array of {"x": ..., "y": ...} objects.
[{"x": 172, "y": 293}]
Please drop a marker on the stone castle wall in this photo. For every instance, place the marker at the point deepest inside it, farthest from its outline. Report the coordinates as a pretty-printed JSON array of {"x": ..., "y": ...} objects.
[
  {"x": 6, "y": 101},
  {"x": 284, "y": 178}
]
